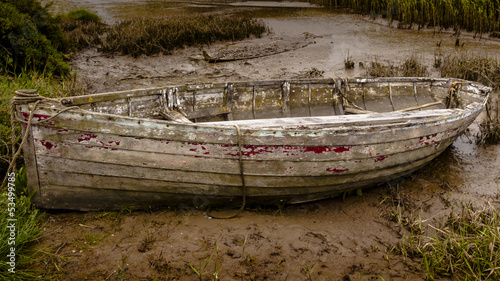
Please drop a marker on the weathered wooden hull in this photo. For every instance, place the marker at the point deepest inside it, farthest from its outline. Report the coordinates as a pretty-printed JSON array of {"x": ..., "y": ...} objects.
[{"x": 86, "y": 160}]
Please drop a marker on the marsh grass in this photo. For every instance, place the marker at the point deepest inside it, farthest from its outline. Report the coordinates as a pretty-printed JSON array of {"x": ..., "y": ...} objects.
[
  {"x": 83, "y": 34},
  {"x": 379, "y": 69},
  {"x": 84, "y": 28},
  {"x": 466, "y": 246},
  {"x": 478, "y": 16},
  {"x": 413, "y": 67},
  {"x": 163, "y": 35},
  {"x": 474, "y": 67},
  {"x": 410, "y": 67}
]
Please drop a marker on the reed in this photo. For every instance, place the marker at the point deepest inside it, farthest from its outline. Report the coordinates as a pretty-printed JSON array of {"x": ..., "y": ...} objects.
[
  {"x": 478, "y": 16},
  {"x": 163, "y": 35}
]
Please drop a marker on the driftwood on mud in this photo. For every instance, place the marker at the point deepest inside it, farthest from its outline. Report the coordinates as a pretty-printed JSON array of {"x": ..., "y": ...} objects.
[{"x": 250, "y": 51}]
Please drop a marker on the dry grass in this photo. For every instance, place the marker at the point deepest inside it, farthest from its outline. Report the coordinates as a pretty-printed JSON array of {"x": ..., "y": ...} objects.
[
  {"x": 411, "y": 67},
  {"x": 163, "y": 35},
  {"x": 83, "y": 34}
]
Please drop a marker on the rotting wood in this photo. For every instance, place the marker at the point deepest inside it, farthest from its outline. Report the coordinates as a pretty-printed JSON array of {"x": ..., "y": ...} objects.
[
  {"x": 31, "y": 166},
  {"x": 285, "y": 99},
  {"x": 420, "y": 106},
  {"x": 175, "y": 116},
  {"x": 229, "y": 101}
]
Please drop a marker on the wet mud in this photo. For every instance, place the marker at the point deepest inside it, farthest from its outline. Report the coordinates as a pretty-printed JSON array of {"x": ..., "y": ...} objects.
[{"x": 353, "y": 237}]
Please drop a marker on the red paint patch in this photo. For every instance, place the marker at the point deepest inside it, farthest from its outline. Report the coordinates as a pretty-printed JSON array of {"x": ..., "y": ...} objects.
[
  {"x": 47, "y": 144},
  {"x": 341, "y": 149},
  {"x": 252, "y": 150},
  {"x": 381, "y": 158},
  {"x": 315, "y": 149},
  {"x": 336, "y": 171},
  {"x": 40, "y": 117},
  {"x": 87, "y": 137}
]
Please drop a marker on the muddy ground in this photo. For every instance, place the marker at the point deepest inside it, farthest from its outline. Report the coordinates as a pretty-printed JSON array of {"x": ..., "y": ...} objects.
[{"x": 354, "y": 237}]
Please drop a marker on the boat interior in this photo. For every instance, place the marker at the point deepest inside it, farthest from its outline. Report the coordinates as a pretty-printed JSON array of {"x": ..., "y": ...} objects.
[{"x": 219, "y": 102}]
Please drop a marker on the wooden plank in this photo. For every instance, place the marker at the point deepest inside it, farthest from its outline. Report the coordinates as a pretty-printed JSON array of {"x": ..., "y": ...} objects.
[
  {"x": 229, "y": 101},
  {"x": 273, "y": 167},
  {"x": 30, "y": 162},
  {"x": 139, "y": 171},
  {"x": 336, "y": 130},
  {"x": 285, "y": 99},
  {"x": 175, "y": 116},
  {"x": 260, "y": 185},
  {"x": 79, "y": 100},
  {"x": 390, "y": 97},
  {"x": 207, "y": 112},
  {"x": 85, "y": 199},
  {"x": 111, "y": 96},
  {"x": 415, "y": 94},
  {"x": 115, "y": 197},
  {"x": 255, "y": 152}
]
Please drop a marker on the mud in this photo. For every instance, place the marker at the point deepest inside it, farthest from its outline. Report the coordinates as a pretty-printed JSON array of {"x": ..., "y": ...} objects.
[{"x": 354, "y": 237}]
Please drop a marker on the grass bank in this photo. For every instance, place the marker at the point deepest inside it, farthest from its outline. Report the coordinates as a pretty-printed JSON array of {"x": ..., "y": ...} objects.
[{"x": 478, "y": 16}]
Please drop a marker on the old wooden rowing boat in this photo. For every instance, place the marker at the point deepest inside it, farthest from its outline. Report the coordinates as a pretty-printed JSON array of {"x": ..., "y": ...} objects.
[{"x": 215, "y": 143}]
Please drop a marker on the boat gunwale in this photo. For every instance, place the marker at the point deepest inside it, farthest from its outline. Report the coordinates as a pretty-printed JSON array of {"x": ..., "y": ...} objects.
[{"x": 108, "y": 96}]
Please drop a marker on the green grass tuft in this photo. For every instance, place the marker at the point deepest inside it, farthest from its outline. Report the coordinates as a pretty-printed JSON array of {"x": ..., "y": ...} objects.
[
  {"x": 466, "y": 246},
  {"x": 27, "y": 230},
  {"x": 84, "y": 15}
]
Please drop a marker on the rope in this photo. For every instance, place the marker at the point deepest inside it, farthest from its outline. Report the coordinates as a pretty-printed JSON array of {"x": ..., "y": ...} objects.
[
  {"x": 24, "y": 97},
  {"x": 242, "y": 175}
]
